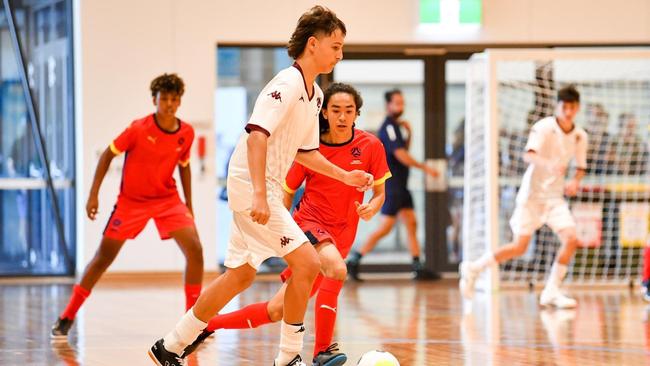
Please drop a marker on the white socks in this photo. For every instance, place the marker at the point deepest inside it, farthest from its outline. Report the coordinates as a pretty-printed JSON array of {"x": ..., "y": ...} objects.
[
  {"x": 291, "y": 337},
  {"x": 185, "y": 332},
  {"x": 558, "y": 271},
  {"x": 483, "y": 262}
]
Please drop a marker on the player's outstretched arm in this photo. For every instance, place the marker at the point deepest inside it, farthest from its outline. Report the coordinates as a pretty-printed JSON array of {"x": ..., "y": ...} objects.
[
  {"x": 257, "y": 146},
  {"x": 100, "y": 172},
  {"x": 315, "y": 161},
  {"x": 407, "y": 159},
  {"x": 186, "y": 181}
]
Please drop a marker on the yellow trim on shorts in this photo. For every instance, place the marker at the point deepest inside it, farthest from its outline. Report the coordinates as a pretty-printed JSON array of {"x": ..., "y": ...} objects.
[
  {"x": 114, "y": 149},
  {"x": 383, "y": 179},
  {"x": 287, "y": 189}
]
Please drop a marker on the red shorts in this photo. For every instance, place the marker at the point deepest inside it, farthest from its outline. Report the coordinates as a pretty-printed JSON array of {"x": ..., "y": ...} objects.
[
  {"x": 342, "y": 238},
  {"x": 130, "y": 217}
]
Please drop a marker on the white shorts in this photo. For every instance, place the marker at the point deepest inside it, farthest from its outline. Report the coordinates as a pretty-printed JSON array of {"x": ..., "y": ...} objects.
[
  {"x": 532, "y": 215},
  {"x": 253, "y": 243}
]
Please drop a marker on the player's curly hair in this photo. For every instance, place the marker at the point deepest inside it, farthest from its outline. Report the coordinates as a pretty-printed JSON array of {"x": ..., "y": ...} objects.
[
  {"x": 316, "y": 21},
  {"x": 167, "y": 83},
  {"x": 336, "y": 88}
]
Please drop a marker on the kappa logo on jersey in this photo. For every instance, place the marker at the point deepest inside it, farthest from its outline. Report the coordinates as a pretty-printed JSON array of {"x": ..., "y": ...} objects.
[
  {"x": 276, "y": 95},
  {"x": 302, "y": 98},
  {"x": 152, "y": 139},
  {"x": 284, "y": 241},
  {"x": 318, "y": 102}
]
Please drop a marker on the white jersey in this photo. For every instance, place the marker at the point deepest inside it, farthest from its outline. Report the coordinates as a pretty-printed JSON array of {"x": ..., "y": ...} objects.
[
  {"x": 285, "y": 113},
  {"x": 550, "y": 142}
]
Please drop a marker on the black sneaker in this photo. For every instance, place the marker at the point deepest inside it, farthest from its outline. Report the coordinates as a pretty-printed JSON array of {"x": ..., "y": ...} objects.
[
  {"x": 353, "y": 270},
  {"x": 163, "y": 357},
  {"x": 297, "y": 361},
  {"x": 426, "y": 275},
  {"x": 330, "y": 357},
  {"x": 192, "y": 347},
  {"x": 61, "y": 328}
]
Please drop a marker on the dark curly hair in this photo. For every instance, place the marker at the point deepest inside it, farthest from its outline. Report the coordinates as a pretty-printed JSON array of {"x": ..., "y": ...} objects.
[
  {"x": 167, "y": 83},
  {"x": 336, "y": 88},
  {"x": 318, "y": 20}
]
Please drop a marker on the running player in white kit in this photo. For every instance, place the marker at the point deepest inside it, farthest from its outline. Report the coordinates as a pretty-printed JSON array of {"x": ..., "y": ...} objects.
[
  {"x": 552, "y": 144},
  {"x": 282, "y": 128}
]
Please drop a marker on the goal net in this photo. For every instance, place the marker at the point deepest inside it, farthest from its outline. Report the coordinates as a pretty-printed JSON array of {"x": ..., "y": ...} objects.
[{"x": 508, "y": 91}]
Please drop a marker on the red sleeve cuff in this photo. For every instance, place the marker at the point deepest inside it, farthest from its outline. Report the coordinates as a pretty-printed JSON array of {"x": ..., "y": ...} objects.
[{"x": 251, "y": 127}]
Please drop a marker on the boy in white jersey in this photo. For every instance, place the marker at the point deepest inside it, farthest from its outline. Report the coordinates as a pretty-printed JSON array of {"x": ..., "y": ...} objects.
[
  {"x": 552, "y": 144},
  {"x": 283, "y": 127}
]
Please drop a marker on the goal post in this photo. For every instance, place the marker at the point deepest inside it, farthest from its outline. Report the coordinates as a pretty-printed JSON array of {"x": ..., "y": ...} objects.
[{"x": 509, "y": 90}]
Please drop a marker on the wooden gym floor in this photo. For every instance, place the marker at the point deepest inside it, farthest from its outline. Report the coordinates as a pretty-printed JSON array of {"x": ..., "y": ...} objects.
[{"x": 420, "y": 323}]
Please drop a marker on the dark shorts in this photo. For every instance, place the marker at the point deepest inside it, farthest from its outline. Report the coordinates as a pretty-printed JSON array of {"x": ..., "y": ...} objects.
[{"x": 396, "y": 201}]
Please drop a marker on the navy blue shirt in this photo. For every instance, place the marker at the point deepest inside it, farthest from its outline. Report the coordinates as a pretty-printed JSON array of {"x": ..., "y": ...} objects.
[{"x": 391, "y": 136}]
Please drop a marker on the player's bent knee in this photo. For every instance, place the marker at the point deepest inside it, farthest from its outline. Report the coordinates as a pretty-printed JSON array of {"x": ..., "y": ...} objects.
[
  {"x": 275, "y": 312},
  {"x": 195, "y": 250},
  {"x": 337, "y": 271},
  {"x": 307, "y": 268},
  {"x": 240, "y": 279}
]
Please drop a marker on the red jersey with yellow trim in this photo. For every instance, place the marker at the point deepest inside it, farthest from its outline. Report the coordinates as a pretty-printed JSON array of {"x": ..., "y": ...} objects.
[
  {"x": 327, "y": 200},
  {"x": 151, "y": 156}
]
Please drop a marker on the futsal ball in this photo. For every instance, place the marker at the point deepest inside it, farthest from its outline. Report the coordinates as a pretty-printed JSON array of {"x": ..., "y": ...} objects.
[{"x": 378, "y": 358}]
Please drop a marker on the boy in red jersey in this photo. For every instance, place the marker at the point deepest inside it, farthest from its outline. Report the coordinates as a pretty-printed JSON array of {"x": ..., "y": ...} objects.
[
  {"x": 154, "y": 146},
  {"x": 328, "y": 213}
]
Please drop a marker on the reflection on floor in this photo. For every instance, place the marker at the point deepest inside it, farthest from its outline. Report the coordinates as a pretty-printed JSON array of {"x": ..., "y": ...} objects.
[{"x": 420, "y": 323}]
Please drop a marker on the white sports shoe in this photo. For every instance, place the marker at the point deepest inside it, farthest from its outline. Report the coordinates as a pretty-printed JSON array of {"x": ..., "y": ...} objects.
[
  {"x": 553, "y": 297},
  {"x": 297, "y": 361},
  {"x": 467, "y": 280}
]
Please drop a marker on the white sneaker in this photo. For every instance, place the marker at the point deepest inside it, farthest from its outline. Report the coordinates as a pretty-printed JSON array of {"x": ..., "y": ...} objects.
[
  {"x": 467, "y": 280},
  {"x": 553, "y": 297},
  {"x": 297, "y": 361}
]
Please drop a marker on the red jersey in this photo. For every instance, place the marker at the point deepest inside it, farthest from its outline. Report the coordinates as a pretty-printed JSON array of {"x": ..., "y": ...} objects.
[
  {"x": 152, "y": 154},
  {"x": 329, "y": 201}
]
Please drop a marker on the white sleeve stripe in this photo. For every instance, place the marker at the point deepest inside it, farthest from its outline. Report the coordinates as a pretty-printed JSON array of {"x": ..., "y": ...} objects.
[{"x": 390, "y": 130}]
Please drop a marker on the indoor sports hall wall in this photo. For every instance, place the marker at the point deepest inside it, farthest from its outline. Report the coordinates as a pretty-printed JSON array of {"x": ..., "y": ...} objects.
[{"x": 121, "y": 45}]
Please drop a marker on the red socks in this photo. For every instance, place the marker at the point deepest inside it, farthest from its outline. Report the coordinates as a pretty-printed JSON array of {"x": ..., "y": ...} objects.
[
  {"x": 251, "y": 316},
  {"x": 326, "y": 308},
  {"x": 646, "y": 264},
  {"x": 79, "y": 295},
  {"x": 192, "y": 293}
]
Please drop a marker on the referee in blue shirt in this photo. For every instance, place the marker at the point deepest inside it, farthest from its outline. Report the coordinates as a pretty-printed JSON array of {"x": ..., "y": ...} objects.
[{"x": 398, "y": 201}]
